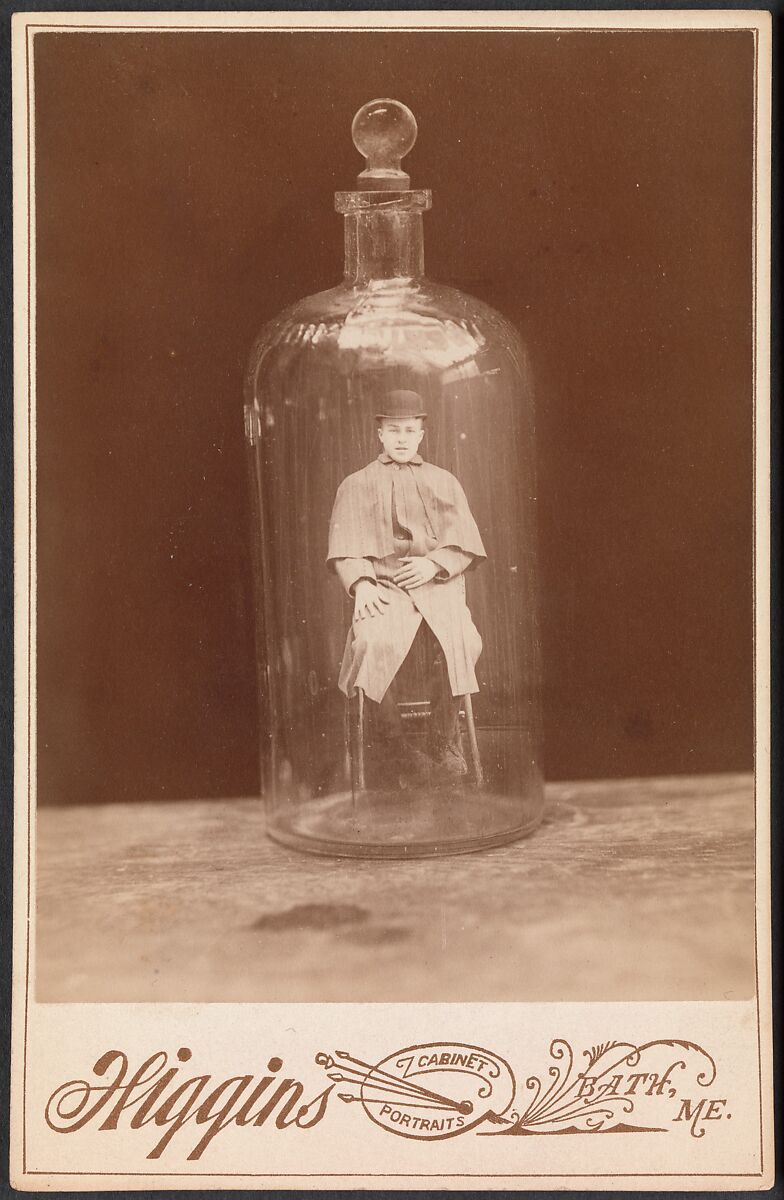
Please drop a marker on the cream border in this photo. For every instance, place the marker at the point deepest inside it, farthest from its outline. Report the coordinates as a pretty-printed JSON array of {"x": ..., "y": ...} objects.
[{"x": 24, "y": 25}]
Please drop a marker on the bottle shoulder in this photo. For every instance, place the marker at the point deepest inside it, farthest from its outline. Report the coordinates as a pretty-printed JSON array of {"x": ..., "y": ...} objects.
[
  {"x": 390, "y": 299},
  {"x": 436, "y": 322}
]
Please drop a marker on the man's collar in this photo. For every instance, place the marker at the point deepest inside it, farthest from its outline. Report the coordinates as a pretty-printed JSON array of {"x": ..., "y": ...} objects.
[{"x": 385, "y": 458}]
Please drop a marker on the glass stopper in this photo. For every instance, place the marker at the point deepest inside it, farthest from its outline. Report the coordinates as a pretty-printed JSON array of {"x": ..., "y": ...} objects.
[{"x": 384, "y": 131}]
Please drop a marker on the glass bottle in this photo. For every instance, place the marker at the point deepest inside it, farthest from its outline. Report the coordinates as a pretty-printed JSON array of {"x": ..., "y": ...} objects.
[{"x": 390, "y": 426}]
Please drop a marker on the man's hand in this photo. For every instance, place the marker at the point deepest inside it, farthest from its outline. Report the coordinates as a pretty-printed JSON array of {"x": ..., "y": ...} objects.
[
  {"x": 369, "y": 599},
  {"x": 414, "y": 572}
]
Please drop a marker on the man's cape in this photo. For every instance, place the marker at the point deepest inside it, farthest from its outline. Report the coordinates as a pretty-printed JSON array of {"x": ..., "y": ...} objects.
[{"x": 361, "y": 524}]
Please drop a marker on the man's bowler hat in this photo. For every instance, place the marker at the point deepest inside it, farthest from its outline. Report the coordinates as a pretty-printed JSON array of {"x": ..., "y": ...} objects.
[{"x": 401, "y": 404}]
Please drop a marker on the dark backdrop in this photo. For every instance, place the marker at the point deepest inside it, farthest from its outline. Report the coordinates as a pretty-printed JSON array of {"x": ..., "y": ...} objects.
[{"x": 595, "y": 187}]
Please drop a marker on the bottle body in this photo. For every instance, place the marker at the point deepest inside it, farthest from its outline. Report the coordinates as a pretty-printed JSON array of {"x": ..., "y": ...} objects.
[{"x": 448, "y": 758}]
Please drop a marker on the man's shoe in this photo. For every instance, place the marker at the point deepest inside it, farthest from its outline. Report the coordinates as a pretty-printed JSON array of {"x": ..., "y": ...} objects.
[
  {"x": 451, "y": 761},
  {"x": 397, "y": 762},
  {"x": 417, "y": 767}
]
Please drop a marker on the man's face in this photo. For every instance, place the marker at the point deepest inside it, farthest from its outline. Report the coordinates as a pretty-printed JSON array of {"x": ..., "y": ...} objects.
[{"x": 400, "y": 438}]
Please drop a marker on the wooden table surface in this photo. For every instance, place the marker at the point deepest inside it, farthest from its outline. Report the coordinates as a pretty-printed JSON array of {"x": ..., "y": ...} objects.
[{"x": 630, "y": 890}]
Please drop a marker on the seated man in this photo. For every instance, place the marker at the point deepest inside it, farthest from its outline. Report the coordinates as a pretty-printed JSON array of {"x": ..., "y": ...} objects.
[{"x": 401, "y": 537}]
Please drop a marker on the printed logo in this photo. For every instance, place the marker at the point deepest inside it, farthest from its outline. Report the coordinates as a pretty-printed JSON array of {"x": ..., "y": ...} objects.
[
  {"x": 437, "y": 1090},
  {"x": 441, "y": 1089},
  {"x": 431, "y": 1091}
]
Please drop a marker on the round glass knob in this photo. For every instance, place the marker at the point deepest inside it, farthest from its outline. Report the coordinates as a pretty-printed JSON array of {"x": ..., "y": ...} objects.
[{"x": 384, "y": 131}]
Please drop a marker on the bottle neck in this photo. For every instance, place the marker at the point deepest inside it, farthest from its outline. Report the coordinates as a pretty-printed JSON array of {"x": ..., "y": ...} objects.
[{"x": 383, "y": 244}]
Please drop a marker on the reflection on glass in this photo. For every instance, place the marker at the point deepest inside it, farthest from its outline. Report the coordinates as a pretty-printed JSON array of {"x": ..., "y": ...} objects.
[{"x": 390, "y": 423}]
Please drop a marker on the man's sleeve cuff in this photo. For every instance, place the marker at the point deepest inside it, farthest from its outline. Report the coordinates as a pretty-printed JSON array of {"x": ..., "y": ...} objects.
[
  {"x": 350, "y": 570},
  {"x": 450, "y": 561}
]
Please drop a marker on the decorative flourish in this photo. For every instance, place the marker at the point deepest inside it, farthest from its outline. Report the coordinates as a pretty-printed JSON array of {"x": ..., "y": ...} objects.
[
  {"x": 608, "y": 1088},
  {"x": 595, "y": 1053}
]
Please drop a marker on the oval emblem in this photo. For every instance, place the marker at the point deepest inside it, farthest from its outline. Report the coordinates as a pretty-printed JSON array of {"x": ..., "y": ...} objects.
[{"x": 437, "y": 1090}]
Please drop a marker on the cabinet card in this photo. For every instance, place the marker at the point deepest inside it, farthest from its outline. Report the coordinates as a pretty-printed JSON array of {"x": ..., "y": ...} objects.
[{"x": 197, "y": 1005}]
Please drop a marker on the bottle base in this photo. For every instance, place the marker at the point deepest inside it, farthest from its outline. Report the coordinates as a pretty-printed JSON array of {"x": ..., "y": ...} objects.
[{"x": 391, "y": 825}]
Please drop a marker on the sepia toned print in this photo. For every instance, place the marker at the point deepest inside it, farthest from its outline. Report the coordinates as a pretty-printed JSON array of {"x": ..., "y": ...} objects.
[{"x": 412, "y": 698}]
